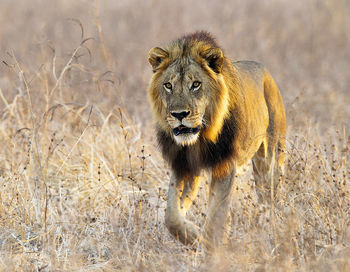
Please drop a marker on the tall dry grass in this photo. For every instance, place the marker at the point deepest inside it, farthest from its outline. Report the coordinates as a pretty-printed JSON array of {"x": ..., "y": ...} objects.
[{"x": 83, "y": 185}]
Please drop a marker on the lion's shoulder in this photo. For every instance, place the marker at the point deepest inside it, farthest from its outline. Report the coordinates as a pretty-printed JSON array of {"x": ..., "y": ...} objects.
[
  {"x": 250, "y": 69},
  {"x": 249, "y": 66}
]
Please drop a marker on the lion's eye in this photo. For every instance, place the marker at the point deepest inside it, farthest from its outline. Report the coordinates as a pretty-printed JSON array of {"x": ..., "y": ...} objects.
[
  {"x": 195, "y": 85},
  {"x": 168, "y": 86}
]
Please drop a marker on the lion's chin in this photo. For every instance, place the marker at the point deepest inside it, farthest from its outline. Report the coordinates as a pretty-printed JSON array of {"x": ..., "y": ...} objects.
[{"x": 186, "y": 139}]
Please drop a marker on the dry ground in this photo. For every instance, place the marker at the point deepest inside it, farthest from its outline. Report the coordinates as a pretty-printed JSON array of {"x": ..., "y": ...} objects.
[{"x": 83, "y": 186}]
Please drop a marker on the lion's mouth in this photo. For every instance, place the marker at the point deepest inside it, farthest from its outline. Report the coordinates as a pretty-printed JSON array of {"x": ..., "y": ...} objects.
[{"x": 185, "y": 130}]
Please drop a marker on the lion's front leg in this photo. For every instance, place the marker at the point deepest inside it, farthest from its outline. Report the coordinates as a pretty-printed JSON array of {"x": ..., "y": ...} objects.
[
  {"x": 219, "y": 203},
  {"x": 181, "y": 194}
]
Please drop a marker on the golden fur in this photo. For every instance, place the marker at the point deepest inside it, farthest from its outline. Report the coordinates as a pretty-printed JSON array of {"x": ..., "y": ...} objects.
[{"x": 236, "y": 114}]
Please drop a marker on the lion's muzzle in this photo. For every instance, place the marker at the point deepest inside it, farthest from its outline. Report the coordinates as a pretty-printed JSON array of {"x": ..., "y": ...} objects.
[{"x": 185, "y": 126}]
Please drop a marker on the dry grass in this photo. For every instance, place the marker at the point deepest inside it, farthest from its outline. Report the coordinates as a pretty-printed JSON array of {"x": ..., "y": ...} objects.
[{"x": 83, "y": 186}]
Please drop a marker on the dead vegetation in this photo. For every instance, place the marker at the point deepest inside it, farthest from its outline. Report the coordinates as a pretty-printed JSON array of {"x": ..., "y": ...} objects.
[{"x": 83, "y": 186}]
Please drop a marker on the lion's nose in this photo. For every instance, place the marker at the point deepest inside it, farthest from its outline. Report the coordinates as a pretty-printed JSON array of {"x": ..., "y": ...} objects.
[{"x": 180, "y": 115}]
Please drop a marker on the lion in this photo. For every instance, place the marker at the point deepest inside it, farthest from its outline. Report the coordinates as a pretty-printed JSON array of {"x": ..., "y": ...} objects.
[{"x": 214, "y": 115}]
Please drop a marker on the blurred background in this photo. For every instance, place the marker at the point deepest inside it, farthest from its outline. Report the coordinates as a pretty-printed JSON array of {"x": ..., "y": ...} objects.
[
  {"x": 83, "y": 185},
  {"x": 305, "y": 45}
]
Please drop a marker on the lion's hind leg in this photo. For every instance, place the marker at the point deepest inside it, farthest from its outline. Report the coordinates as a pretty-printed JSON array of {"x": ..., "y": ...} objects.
[
  {"x": 280, "y": 153},
  {"x": 264, "y": 170},
  {"x": 268, "y": 162},
  {"x": 268, "y": 166}
]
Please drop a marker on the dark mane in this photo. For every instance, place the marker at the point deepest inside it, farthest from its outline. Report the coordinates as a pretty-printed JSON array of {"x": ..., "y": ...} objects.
[
  {"x": 189, "y": 160},
  {"x": 204, "y": 36}
]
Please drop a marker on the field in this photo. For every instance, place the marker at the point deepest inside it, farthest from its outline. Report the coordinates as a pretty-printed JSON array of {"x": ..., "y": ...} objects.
[{"x": 83, "y": 184}]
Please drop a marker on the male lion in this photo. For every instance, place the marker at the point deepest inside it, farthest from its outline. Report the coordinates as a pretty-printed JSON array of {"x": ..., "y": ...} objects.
[{"x": 215, "y": 115}]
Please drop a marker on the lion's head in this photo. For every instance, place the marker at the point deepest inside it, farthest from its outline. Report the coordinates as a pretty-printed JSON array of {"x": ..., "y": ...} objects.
[{"x": 187, "y": 89}]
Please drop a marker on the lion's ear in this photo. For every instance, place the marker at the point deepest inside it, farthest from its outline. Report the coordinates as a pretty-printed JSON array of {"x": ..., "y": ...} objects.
[
  {"x": 214, "y": 58},
  {"x": 156, "y": 56}
]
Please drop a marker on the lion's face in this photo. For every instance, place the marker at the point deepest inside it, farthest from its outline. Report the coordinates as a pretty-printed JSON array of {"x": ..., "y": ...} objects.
[
  {"x": 184, "y": 94},
  {"x": 183, "y": 90}
]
